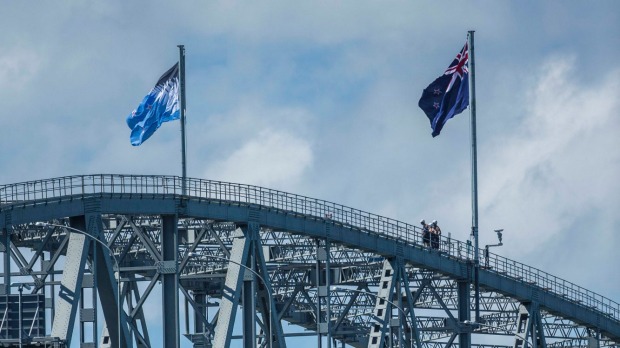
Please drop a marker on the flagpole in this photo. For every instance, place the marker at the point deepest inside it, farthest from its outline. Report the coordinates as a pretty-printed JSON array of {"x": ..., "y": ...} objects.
[
  {"x": 182, "y": 112},
  {"x": 474, "y": 169}
]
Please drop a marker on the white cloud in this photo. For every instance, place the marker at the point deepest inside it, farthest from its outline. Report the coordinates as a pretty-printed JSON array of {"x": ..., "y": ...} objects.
[
  {"x": 560, "y": 164},
  {"x": 17, "y": 68},
  {"x": 273, "y": 158}
]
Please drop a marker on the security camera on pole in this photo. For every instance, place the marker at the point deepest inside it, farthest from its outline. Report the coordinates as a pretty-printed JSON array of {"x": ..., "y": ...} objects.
[{"x": 486, "y": 247}]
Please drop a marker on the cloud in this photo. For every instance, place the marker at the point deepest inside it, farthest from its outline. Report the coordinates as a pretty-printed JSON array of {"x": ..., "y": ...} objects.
[
  {"x": 560, "y": 164},
  {"x": 273, "y": 158},
  {"x": 18, "y": 66}
]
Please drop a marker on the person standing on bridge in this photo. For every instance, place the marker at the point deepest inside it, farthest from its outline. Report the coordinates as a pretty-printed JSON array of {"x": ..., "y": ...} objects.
[
  {"x": 426, "y": 233},
  {"x": 435, "y": 233}
]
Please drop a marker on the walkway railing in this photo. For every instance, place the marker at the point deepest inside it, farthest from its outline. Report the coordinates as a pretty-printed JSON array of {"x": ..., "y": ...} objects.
[{"x": 157, "y": 187}]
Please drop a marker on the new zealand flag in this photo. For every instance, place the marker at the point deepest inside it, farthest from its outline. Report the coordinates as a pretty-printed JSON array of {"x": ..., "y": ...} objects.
[{"x": 448, "y": 95}]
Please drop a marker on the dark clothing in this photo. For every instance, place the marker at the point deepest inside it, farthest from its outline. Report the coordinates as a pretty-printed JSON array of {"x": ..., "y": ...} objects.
[
  {"x": 435, "y": 241},
  {"x": 435, "y": 233},
  {"x": 426, "y": 235}
]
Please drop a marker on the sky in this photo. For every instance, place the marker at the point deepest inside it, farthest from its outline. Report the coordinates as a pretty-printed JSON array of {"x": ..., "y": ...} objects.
[{"x": 319, "y": 98}]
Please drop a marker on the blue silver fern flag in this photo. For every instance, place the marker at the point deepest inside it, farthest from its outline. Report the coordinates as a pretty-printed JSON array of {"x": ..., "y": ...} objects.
[
  {"x": 159, "y": 106},
  {"x": 448, "y": 95}
]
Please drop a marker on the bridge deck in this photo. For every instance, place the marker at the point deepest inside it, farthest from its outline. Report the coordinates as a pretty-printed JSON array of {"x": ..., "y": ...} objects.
[{"x": 130, "y": 194}]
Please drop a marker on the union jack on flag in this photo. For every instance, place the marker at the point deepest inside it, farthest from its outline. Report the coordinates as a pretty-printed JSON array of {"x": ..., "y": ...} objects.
[
  {"x": 448, "y": 95},
  {"x": 459, "y": 69}
]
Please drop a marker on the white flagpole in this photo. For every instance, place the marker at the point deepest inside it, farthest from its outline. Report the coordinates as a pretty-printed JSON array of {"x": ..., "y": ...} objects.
[
  {"x": 474, "y": 169},
  {"x": 182, "y": 112}
]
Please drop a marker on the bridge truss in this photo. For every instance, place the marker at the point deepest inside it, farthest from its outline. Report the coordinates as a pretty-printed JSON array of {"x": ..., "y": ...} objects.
[{"x": 238, "y": 254}]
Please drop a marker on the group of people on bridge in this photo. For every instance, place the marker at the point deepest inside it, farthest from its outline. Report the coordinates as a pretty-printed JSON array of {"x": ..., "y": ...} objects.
[{"x": 430, "y": 234}]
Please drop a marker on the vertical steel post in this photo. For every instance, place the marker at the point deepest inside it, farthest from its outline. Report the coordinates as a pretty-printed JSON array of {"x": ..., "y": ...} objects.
[
  {"x": 201, "y": 303},
  {"x": 43, "y": 292},
  {"x": 318, "y": 298},
  {"x": 182, "y": 114},
  {"x": 170, "y": 293},
  {"x": 249, "y": 305},
  {"x": 20, "y": 289},
  {"x": 94, "y": 294},
  {"x": 186, "y": 313},
  {"x": 328, "y": 313},
  {"x": 323, "y": 296},
  {"x": 52, "y": 288},
  {"x": 474, "y": 167},
  {"x": 463, "y": 293},
  {"x": 7, "y": 260},
  {"x": 401, "y": 332},
  {"x": 81, "y": 310}
]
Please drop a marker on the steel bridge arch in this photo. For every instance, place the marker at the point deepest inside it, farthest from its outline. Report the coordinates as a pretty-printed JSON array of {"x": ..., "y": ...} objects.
[{"x": 253, "y": 208}]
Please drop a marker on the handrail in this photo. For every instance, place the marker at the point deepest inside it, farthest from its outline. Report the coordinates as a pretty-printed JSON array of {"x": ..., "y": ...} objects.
[{"x": 156, "y": 186}]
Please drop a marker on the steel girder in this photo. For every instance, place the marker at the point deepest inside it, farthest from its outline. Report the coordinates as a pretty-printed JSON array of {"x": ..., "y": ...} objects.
[
  {"x": 136, "y": 239},
  {"x": 291, "y": 268}
]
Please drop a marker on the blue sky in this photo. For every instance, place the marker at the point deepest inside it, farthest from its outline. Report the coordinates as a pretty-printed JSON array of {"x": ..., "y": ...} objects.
[{"x": 320, "y": 99}]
